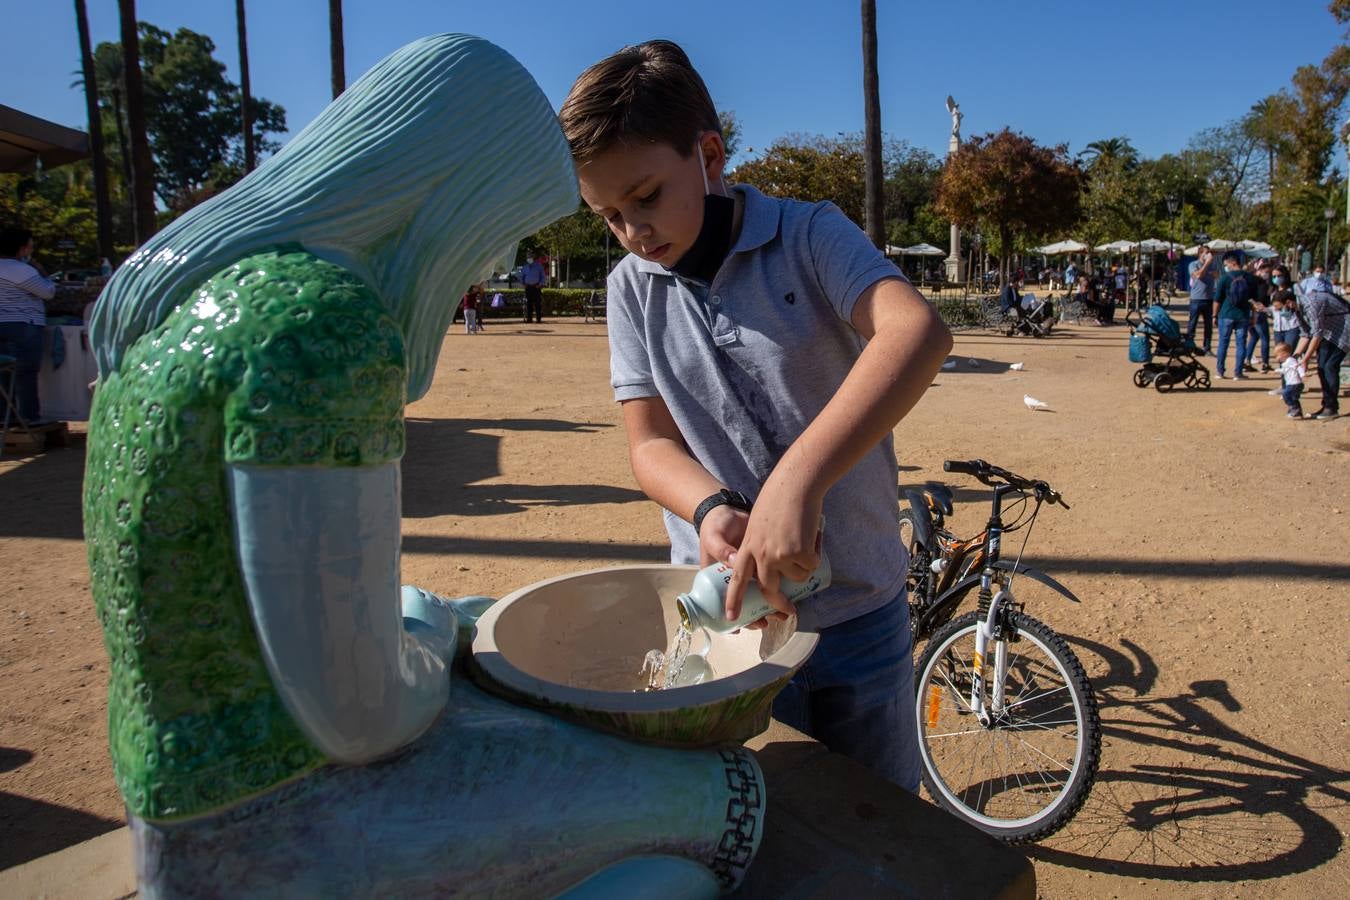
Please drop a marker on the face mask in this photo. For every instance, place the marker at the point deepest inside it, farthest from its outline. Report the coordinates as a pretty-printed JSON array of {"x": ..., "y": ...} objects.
[
  {"x": 1278, "y": 279},
  {"x": 702, "y": 260},
  {"x": 529, "y": 260}
]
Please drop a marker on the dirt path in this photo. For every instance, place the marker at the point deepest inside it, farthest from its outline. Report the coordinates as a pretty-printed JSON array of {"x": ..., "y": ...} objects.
[{"x": 1208, "y": 538}]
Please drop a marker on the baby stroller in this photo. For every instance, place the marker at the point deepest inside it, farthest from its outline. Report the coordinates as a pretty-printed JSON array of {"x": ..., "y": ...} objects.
[
  {"x": 1032, "y": 317},
  {"x": 1168, "y": 358}
]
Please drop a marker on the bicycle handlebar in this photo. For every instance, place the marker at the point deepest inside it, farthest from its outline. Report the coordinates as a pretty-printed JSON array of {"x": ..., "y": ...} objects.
[{"x": 986, "y": 473}]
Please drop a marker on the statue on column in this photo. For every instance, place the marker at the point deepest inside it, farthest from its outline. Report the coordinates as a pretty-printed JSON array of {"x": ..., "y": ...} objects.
[
  {"x": 281, "y": 714},
  {"x": 955, "y": 263}
]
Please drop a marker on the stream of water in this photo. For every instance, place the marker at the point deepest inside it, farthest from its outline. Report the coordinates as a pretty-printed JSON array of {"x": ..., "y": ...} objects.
[{"x": 681, "y": 664}]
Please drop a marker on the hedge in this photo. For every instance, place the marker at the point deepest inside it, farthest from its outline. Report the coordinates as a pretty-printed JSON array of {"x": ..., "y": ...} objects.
[{"x": 556, "y": 302}]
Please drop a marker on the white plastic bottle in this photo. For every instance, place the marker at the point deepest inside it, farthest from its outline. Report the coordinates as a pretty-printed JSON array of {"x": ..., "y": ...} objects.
[{"x": 705, "y": 604}]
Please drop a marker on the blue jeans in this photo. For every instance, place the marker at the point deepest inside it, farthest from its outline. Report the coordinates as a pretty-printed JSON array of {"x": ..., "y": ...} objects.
[
  {"x": 1289, "y": 337},
  {"x": 1260, "y": 330},
  {"x": 1201, "y": 309},
  {"x": 23, "y": 342},
  {"x": 1237, "y": 330},
  {"x": 1291, "y": 393},
  {"x": 856, "y": 694},
  {"x": 1329, "y": 359}
]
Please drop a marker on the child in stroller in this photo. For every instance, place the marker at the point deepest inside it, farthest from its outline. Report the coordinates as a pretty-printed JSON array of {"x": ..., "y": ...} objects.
[
  {"x": 1024, "y": 313},
  {"x": 1154, "y": 335}
]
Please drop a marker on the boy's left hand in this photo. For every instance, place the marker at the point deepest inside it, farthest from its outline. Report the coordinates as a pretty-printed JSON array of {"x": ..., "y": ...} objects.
[{"x": 779, "y": 542}]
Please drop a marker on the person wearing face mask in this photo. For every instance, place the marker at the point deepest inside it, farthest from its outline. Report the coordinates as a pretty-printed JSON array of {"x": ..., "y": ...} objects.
[
  {"x": 763, "y": 351},
  {"x": 1284, "y": 309}
]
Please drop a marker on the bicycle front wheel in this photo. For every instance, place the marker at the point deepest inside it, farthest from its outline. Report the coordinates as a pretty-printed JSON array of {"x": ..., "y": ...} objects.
[{"x": 1025, "y": 774}]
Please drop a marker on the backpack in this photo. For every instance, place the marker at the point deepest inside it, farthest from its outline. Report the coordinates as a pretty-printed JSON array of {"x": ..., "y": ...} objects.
[{"x": 1240, "y": 291}]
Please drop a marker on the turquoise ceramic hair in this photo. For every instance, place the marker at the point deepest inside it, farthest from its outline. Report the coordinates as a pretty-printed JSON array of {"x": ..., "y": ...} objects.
[{"x": 416, "y": 179}]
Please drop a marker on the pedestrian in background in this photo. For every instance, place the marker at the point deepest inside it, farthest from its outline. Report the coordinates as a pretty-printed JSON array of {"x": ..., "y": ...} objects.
[
  {"x": 1202, "y": 295},
  {"x": 532, "y": 276}
]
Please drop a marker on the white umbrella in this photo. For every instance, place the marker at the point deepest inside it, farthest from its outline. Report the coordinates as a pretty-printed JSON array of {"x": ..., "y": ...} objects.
[
  {"x": 1262, "y": 253},
  {"x": 1254, "y": 245},
  {"x": 1153, "y": 245},
  {"x": 923, "y": 250},
  {"x": 1116, "y": 247},
  {"x": 1060, "y": 247},
  {"x": 1218, "y": 244}
]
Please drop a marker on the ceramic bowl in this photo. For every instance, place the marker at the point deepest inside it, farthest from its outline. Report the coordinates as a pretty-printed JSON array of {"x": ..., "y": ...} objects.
[{"x": 574, "y": 645}]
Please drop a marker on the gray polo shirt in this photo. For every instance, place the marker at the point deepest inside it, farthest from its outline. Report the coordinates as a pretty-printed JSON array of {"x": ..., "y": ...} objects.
[
  {"x": 746, "y": 363},
  {"x": 1202, "y": 288}
]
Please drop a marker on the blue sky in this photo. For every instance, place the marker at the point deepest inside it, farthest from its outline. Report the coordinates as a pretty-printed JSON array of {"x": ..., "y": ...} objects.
[{"x": 1154, "y": 70}]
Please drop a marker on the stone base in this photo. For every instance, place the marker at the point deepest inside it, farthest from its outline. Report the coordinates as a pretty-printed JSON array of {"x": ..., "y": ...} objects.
[
  {"x": 833, "y": 830},
  {"x": 956, "y": 270}
]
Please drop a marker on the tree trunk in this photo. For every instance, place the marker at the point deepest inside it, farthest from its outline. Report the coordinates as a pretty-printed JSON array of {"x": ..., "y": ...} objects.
[
  {"x": 102, "y": 205},
  {"x": 142, "y": 167},
  {"x": 875, "y": 208},
  {"x": 245, "y": 93},
  {"x": 335, "y": 47}
]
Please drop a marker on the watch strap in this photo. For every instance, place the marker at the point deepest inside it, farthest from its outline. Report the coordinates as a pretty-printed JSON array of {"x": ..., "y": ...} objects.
[{"x": 724, "y": 497}]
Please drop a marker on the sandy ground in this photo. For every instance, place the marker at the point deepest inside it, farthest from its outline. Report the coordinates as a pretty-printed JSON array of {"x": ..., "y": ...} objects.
[{"x": 1208, "y": 537}]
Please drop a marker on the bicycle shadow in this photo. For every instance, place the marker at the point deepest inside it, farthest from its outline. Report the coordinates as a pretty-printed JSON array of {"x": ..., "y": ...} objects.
[{"x": 1184, "y": 795}]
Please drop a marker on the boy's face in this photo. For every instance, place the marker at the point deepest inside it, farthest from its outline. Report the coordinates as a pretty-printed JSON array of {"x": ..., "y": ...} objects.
[{"x": 651, "y": 196}]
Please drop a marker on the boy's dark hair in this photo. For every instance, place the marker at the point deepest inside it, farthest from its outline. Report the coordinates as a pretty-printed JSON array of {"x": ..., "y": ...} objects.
[
  {"x": 12, "y": 240},
  {"x": 1233, "y": 256},
  {"x": 647, "y": 92}
]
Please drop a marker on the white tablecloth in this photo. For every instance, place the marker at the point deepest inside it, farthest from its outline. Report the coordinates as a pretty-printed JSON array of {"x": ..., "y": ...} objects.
[{"x": 64, "y": 392}]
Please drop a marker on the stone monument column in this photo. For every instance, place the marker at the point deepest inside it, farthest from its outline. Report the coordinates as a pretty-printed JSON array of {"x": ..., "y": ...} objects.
[{"x": 955, "y": 262}]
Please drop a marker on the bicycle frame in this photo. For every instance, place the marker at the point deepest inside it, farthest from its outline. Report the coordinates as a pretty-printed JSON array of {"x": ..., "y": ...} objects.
[{"x": 991, "y": 623}]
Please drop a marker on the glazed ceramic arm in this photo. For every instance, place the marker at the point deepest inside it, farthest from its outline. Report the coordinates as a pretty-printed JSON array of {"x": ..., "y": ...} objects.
[{"x": 319, "y": 550}]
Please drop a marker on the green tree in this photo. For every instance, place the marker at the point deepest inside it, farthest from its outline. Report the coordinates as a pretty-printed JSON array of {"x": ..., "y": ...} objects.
[
  {"x": 1011, "y": 188},
  {"x": 731, "y": 132},
  {"x": 195, "y": 119},
  {"x": 1110, "y": 151},
  {"x": 811, "y": 167},
  {"x": 578, "y": 241}
]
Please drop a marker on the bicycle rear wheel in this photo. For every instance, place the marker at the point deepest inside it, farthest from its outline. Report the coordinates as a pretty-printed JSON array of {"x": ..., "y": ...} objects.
[{"x": 1026, "y": 774}]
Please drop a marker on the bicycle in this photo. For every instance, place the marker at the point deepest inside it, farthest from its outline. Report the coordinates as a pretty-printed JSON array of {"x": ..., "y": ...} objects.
[{"x": 1013, "y": 752}]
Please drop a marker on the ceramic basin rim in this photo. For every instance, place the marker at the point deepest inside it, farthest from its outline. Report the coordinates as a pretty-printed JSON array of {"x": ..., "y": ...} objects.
[{"x": 489, "y": 658}]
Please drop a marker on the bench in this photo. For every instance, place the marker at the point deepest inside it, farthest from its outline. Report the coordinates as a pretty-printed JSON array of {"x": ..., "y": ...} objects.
[{"x": 593, "y": 307}]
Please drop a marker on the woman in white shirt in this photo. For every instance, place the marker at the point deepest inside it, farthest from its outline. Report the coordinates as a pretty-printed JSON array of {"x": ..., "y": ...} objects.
[{"x": 23, "y": 287}]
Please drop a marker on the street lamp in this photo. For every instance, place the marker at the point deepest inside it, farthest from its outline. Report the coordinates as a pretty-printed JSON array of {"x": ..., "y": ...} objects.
[{"x": 1326, "y": 261}]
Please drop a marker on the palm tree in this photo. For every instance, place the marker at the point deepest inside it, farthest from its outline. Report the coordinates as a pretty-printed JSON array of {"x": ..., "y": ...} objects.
[
  {"x": 875, "y": 210},
  {"x": 102, "y": 205},
  {"x": 245, "y": 95},
  {"x": 1111, "y": 150},
  {"x": 335, "y": 48},
  {"x": 142, "y": 167},
  {"x": 108, "y": 75}
]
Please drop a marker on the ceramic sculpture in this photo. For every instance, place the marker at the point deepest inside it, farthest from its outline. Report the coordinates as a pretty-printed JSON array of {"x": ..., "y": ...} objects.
[{"x": 279, "y": 724}]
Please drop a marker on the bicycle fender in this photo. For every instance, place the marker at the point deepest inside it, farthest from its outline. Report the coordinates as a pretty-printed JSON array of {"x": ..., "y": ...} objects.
[
  {"x": 1038, "y": 575},
  {"x": 923, "y": 525}
]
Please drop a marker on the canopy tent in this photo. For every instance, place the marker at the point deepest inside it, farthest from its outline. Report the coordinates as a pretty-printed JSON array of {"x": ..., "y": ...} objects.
[
  {"x": 1060, "y": 247},
  {"x": 1116, "y": 247},
  {"x": 25, "y": 139}
]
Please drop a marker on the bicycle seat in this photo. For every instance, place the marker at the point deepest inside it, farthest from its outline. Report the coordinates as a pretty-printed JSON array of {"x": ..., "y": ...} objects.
[{"x": 941, "y": 494}]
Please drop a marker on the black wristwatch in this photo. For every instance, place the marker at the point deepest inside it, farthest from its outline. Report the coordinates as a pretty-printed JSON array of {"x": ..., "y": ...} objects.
[{"x": 724, "y": 497}]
